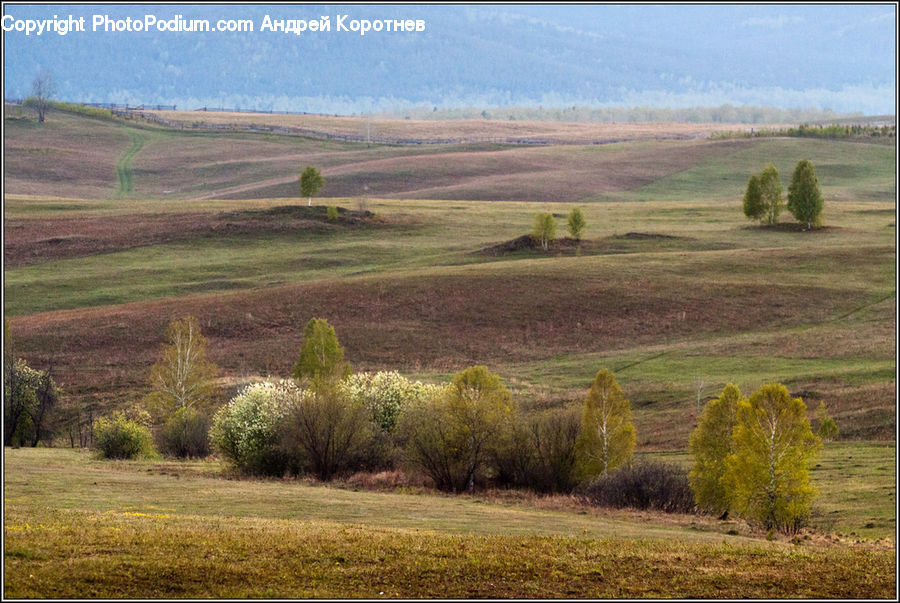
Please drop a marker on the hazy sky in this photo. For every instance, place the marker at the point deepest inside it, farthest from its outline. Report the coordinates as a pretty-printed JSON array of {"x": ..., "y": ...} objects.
[{"x": 841, "y": 57}]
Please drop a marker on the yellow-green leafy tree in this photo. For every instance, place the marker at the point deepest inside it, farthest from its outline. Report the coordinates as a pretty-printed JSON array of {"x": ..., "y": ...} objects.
[
  {"x": 770, "y": 190},
  {"x": 321, "y": 356},
  {"x": 710, "y": 445},
  {"x": 544, "y": 229},
  {"x": 311, "y": 181},
  {"x": 182, "y": 378},
  {"x": 768, "y": 471},
  {"x": 607, "y": 435},
  {"x": 451, "y": 436}
]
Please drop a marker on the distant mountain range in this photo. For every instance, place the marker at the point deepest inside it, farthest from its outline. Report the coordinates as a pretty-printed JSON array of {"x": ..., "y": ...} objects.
[{"x": 826, "y": 56}]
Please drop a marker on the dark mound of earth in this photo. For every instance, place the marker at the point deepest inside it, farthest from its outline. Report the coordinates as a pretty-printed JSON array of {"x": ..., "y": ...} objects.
[
  {"x": 317, "y": 213},
  {"x": 526, "y": 242}
]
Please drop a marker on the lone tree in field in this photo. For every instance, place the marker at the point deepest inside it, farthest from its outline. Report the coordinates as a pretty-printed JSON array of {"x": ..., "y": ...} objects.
[
  {"x": 770, "y": 190},
  {"x": 544, "y": 229},
  {"x": 804, "y": 197},
  {"x": 42, "y": 90},
  {"x": 576, "y": 223},
  {"x": 321, "y": 356},
  {"x": 607, "y": 435},
  {"x": 768, "y": 472},
  {"x": 452, "y": 435},
  {"x": 710, "y": 445},
  {"x": 311, "y": 181},
  {"x": 182, "y": 377}
]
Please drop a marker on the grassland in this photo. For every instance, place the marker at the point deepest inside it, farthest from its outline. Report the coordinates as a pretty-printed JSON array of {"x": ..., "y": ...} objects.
[
  {"x": 139, "y": 529},
  {"x": 672, "y": 286},
  {"x": 113, "y": 229}
]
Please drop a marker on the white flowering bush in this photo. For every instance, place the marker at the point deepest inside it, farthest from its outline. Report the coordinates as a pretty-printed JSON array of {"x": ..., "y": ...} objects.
[
  {"x": 385, "y": 393},
  {"x": 245, "y": 431}
]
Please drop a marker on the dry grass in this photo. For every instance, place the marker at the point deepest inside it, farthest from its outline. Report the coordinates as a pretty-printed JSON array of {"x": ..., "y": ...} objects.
[
  {"x": 471, "y": 130},
  {"x": 77, "y": 528}
]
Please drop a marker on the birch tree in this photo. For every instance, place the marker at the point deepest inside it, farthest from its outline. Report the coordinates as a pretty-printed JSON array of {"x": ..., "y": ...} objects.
[
  {"x": 182, "y": 378},
  {"x": 710, "y": 445},
  {"x": 544, "y": 229},
  {"x": 768, "y": 472},
  {"x": 770, "y": 192},
  {"x": 607, "y": 435},
  {"x": 321, "y": 356},
  {"x": 311, "y": 181}
]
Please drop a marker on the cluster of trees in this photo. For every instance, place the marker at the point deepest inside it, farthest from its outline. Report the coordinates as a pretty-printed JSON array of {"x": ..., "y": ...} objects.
[
  {"x": 832, "y": 131},
  {"x": 750, "y": 455},
  {"x": 763, "y": 198},
  {"x": 327, "y": 421},
  {"x": 544, "y": 229}
]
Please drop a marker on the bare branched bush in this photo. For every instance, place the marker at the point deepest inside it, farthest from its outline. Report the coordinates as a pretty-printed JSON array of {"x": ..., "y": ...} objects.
[{"x": 648, "y": 486}]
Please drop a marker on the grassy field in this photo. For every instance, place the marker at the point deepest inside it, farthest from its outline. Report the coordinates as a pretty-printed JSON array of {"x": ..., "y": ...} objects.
[
  {"x": 77, "y": 527},
  {"x": 671, "y": 288},
  {"x": 114, "y": 229}
]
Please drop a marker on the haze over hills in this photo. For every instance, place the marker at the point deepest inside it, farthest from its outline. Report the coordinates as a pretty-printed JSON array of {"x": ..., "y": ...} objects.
[{"x": 837, "y": 57}]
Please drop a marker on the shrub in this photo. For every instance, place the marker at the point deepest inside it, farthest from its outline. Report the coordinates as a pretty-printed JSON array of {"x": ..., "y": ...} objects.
[
  {"x": 654, "y": 486},
  {"x": 553, "y": 434},
  {"x": 450, "y": 437},
  {"x": 327, "y": 433},
  {"x": 185, "y": 434},
  {"x": 332, "y": 213},
  {"x": 385, "y": 394},
  {"x": 540, "y": 453},
  {"x": 124, "y": 436},
  {"x": 828, "y": 429},
  {"x": 245, "y": 431}
]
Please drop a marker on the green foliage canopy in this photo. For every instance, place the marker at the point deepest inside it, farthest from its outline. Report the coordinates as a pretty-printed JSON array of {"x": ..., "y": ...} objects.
[
  {"x": 311, "y": 182},
  {"x": 804, "y": 197},
  {"x": 768, "y": 472},
  {"x": 576, "y": 223},
  {"x": 321, "y": 356},
  {"x": 753, "y": 203},
  {"x": 452, "y": 436},
  {"x": 607, "y": 435},
  {"x": 544, "y": 229},
  {"x": 710, "y": 445},
  {"x": 770, "y": 192}
]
